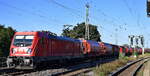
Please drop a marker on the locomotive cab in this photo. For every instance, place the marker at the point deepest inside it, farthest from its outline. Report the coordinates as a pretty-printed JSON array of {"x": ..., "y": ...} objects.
[
  {"x": 22, "y": 45},
  {"x": 21, "y": 50}
]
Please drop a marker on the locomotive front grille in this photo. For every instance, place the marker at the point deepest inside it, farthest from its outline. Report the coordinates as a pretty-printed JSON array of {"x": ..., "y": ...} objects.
[{"x": 19, "y": 61}]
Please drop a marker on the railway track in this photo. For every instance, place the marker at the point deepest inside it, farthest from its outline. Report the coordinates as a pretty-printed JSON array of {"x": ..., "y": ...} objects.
[
  {"x": 139, "y": 67},
  {"x": 59, "y": 71},
  {"x": 43, "y": 71},
  {"x": 37, "y": 72},
  {"x": 12, "y": 71},
  {"x": 4, "y": 71},
  {"x": 82, "y": 68},
  {"x": 131, "y": 69}
]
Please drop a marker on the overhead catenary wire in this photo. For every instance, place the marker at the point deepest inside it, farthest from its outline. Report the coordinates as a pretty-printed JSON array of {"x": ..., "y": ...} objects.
[
  {"x": 128, "y": 7},
  {"x": 122, "y": 26},
  {"x": 113, "y": 20},
  {"x": 67, "y": 8},
  {"x": 29, "y": 12},
  {"x": 136, "y": 13},
  {"x": 43, "y": 17},
  {"x": 132, "y": 12},
  {"x": 72, "y": 10}
]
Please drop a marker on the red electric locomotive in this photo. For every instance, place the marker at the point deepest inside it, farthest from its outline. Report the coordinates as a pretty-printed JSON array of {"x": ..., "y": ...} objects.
[{"x": 31, "y": 48}]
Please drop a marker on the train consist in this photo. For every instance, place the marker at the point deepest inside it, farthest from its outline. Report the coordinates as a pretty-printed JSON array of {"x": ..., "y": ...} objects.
[{"x": 30, "y": 49}]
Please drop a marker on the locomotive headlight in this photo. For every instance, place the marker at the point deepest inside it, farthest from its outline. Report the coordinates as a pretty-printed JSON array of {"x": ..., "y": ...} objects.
[
  {"x": 29, "y": 51},
  {"x": 14, "y": 50}
]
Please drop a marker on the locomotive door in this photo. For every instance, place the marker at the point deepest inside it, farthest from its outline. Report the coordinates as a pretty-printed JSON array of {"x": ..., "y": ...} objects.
[
  {"x": 49, "y": 47},
  {"x": 43, "y": 48},
  {"x": 54, "y": 47}
]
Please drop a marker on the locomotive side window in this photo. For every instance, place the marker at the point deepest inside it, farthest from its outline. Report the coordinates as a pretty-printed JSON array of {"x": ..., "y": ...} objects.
[{"x": 23, "y": 40}]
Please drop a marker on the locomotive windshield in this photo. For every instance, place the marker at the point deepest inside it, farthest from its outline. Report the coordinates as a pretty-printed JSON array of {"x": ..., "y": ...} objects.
[{"x": 23, "y": 40}]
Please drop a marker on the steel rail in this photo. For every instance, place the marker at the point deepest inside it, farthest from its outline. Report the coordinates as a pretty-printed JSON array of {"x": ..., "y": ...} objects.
[
  {"x": 121, "y": 69},
  {"x": 139, "y": 67}
]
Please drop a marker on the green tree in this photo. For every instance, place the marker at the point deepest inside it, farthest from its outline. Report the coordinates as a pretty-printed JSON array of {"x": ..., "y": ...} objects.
[
  {"x": 79, "y": 31},
  {"x": 66, "y": 30},
  {"x": 6, "y": 35},
  {"x": 125, "y": 45},
  {"x": 49, "y": 32}
]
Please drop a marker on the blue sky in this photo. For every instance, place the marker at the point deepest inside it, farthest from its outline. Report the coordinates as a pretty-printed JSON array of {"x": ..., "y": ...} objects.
[{"x": 128, "y": 16}]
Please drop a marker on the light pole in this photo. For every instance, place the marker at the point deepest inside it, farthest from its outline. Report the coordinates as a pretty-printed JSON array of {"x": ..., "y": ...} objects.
[{"x": 87, "y": 37}]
